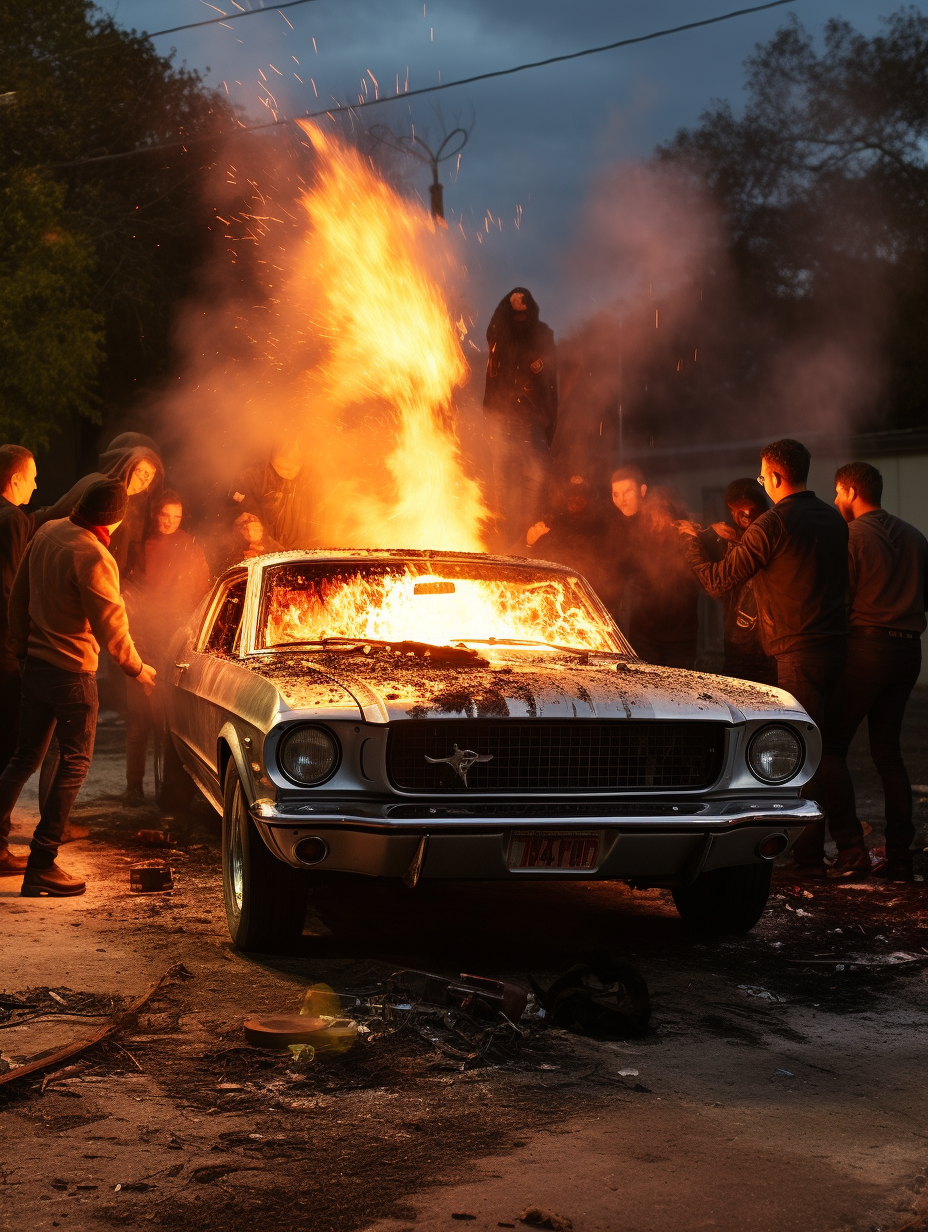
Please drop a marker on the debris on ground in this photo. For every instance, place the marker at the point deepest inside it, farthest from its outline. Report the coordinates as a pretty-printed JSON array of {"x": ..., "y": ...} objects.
[
  {"x": 603, "y": 997},
  {"x": 537, "y": 1217}
]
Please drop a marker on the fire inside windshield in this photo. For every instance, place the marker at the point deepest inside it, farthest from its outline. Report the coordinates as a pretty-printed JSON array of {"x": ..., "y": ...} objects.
[{"x": 439, "y": 602}]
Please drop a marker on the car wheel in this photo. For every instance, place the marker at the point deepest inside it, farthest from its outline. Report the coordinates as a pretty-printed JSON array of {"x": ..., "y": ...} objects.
[
  {"x": 174, "y": 788},
  {"x": 265, "y": 899},
  {"x": 726, "y": 900}
]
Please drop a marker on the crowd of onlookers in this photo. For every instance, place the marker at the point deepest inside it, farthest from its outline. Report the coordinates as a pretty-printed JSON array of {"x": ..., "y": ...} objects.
[
  {"x": 94, "y": 586},
  {"x": 826, "y": 600}
]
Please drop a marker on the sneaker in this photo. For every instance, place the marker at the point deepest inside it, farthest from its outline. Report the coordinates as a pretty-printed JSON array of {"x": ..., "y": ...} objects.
[
  {"x": 895, "y": 868},
  {"x": 54, "y": 882},
  {"x": 10, "y": 864},
  {"x": 852, "y": 864}
]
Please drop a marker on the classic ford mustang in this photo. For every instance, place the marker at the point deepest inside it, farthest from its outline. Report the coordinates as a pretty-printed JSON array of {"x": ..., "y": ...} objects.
[{"x": 419, "y": 715}]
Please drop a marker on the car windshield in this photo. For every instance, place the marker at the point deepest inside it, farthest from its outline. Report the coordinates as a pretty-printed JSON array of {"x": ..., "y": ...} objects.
[{"x": 440, "y": 602}]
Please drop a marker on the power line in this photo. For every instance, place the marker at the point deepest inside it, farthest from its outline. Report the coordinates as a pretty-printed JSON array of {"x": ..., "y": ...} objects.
[
  {"x": 446, "y": 85},
  {"x": 215, "y": 21}
]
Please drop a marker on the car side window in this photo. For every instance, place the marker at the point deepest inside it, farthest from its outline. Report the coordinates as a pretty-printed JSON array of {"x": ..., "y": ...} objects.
[{"x": 223, "y": 636}]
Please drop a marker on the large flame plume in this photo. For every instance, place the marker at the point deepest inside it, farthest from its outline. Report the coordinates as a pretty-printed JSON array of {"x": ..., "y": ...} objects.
[{"x": 389, "y": 349}]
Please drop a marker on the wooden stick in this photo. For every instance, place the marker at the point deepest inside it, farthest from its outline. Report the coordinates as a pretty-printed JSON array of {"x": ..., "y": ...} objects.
[{"x": 71, "y": 1050}]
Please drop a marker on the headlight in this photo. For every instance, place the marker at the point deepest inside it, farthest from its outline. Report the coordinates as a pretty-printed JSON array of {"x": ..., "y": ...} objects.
[
  {"x": 775, "y": 754},
  {"x": 308, "y": 755}
]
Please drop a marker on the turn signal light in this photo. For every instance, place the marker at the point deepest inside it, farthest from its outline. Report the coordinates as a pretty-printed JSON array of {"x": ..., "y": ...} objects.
[
  {"x": 772, "y": 846},
  {"x": 311, "y": 850}
]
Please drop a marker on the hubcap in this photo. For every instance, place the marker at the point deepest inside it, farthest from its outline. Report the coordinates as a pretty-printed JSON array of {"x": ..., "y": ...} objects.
[{"x": 236, "y": 875}]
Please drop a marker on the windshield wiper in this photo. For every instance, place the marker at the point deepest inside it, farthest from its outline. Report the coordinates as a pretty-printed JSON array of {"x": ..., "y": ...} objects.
[
  {"x": 458, "y": 654},
  {"x": 516, "y": 641}
]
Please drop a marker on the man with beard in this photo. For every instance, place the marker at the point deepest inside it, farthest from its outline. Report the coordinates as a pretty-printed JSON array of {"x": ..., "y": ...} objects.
[
  {"x": 277, "y": 493},
  {"x": 520, "y": 404},
  {"x": 744, "y": 654},
  {"x": 657, "y": 587},
  {"x": 17, "y": 483}
]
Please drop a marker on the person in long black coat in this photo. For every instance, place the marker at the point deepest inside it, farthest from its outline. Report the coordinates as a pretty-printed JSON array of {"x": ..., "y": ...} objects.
[{"x": 520, "y": 406}]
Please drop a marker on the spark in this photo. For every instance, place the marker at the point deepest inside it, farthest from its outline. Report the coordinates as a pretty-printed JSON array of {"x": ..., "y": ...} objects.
[
  {"x": 299, "y": 78},
  {"x": 374, "y": 80},
  {"x": 276, "y": 70},
  {"x": 213, "y": 7},
  {"x": 261, "y": 75},
  {"x": 294, "y": 59},
  {"x": 226, "y": 84},
  {"x": 315, "y": 48},
  {"x": 287, "y": 20},
  {"x": 313, "y": 84},
  {"x": 655, "y": 318}
]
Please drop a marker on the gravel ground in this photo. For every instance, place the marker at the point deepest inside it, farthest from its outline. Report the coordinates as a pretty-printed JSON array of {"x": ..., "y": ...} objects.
[{"x": 782, "y": 1085}]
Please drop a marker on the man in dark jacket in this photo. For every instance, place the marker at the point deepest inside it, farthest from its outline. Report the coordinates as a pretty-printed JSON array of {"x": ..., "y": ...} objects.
[
  {"x": 520, "y": 405},
  {"x": 17, "y": 483},
  {"x": 277, "y": 493},
  {"x": 658, "y": 604},
  {"x": 744, "y": 653},
  {"x": 796, "y": 553},
  {"x": 888, "y": 588}
]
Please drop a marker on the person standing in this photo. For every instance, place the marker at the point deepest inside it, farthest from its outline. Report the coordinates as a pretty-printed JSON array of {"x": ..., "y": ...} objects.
[
  {"x": 796, "y": 554},
  {"x": 744, "y": 654},
  {"x": 520, "y": 407},
  {"x": 658, "y": 604},
  {"x": 277, "y": 494},
  {"x": 160, "y": 596},
  {"x": 888, "y": 589},
  {"x": 17, "y": 483},
  {"x": 64, "y": 605}
]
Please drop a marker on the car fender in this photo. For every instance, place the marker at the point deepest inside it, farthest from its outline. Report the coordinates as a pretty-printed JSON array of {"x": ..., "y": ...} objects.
[{"x": 230, "y": 736}]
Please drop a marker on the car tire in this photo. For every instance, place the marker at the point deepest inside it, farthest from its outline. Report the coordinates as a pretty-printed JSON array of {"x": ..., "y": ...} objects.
[
  {"x": 725, "y": 900},
  {"x": 265, "y": 899},
  {"x": 174, "y": 788}
]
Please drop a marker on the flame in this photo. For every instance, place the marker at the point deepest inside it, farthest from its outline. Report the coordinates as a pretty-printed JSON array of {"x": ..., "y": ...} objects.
[
  {"x": 408, "y": 606},
  {"x": 389, "y": 341}
]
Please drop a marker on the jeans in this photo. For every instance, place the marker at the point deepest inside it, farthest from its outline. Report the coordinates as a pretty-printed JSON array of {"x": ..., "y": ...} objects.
[
  {"x": 10, "y": 691},
  {"x": 812, "y": 675},
  {"x": 139, "y": 722},
  {"x": 881, "y": 672},
  {"x": 53, "y": 699}
]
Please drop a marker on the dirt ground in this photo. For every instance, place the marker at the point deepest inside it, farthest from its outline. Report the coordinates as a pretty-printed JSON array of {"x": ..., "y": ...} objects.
[{"x": 782, "y": 1086}]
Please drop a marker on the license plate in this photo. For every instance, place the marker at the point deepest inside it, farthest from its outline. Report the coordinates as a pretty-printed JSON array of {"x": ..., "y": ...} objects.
[{"x": 542, "y": 849}]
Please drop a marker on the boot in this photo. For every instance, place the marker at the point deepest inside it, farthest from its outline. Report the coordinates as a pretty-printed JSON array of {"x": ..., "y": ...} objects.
[
  {"x": 852, "y": 864},
  {"x": 73, "y": 833},
  {"x": 54, "y": 882},
  {"x": 10, "y": 864},
  {"x": 896, "y": 867}
]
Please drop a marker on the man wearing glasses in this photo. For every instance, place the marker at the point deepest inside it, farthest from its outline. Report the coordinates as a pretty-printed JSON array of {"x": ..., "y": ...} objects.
[{"x": 796, "y": 553}]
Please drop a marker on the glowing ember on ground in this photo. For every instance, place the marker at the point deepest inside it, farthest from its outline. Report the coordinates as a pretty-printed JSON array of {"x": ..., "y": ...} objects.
[
  {"x": 442, "y": 607},
  {"x": 389, "y": 348}
]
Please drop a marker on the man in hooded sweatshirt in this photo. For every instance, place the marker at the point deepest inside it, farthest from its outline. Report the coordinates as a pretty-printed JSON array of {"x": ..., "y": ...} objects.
[
  {"x": 65, "y": 603},
  {"x": 520, "y": 405}
]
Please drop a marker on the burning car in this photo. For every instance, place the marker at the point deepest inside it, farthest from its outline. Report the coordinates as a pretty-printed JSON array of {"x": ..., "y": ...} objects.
[{"x": 448, "y": 715}]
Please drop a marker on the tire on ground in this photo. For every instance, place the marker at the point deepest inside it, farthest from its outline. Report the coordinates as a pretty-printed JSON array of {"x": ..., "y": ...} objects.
[
  {"x": 265, "y": 899},
  {"x": 725, "y": 900}
]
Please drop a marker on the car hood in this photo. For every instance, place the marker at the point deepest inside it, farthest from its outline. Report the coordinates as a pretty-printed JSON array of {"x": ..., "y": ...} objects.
[{"x": 386, "y": 688}]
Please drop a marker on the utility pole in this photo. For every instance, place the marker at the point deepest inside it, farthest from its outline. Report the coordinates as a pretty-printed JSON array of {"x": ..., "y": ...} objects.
[{"x": 453, "y": 144}]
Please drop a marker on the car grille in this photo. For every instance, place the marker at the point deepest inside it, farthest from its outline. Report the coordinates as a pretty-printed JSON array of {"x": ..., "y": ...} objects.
[{"x": 548, "y": 755}]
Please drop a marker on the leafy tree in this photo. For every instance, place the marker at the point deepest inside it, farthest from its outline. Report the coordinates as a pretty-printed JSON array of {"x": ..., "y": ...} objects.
[
  {"x": 82, "y": 88},
  {"x": 50, "y": 336},
  {"x": 823, "y": 184}
]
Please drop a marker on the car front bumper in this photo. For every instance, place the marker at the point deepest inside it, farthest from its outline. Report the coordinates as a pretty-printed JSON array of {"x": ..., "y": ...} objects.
[{"x": 663, "y": 843}]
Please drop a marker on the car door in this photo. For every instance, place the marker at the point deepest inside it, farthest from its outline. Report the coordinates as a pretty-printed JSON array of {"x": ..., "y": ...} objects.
[{"x": 198, "y": 714}]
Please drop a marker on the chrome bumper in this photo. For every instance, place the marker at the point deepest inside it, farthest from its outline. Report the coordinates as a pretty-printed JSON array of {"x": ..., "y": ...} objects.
[{"x": 654, "y": 843}]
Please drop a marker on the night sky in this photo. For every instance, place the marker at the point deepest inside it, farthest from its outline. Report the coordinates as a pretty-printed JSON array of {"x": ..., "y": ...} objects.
[{"x": 540, "y": 138}]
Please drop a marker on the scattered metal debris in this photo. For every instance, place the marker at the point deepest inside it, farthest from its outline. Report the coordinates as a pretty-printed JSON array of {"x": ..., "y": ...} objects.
[
  {"x": 602, "y": 997},
  {"x": 151, "y": 877}
]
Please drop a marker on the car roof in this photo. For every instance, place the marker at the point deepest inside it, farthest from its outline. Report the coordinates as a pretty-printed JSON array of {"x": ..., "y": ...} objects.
[{"x": 385, "y": 554}]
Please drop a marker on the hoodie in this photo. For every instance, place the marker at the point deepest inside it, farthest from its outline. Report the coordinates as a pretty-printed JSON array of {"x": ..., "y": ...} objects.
[{"x": 522, "y": 367}]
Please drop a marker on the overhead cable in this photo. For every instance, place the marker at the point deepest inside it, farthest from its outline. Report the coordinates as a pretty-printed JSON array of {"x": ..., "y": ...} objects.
[{"x": 446, "y": 85}]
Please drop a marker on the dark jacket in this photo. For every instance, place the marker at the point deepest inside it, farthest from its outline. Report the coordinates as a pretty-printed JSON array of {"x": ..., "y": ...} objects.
[
  {"x": 796, "y": 553},
  {"x": 16, "y": 529},
  {"x": 887, "y": 573},
  {"x": 741, "y": 633},
  {"x": 575, "y": 539},
  {"x": 118, "y": 463},
  {"x": 522, "y": 368},
  {"x": 283, "y": 506}
]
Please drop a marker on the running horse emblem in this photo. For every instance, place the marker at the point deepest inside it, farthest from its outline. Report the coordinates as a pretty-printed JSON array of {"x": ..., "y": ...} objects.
[{"x": 460, "y": 761}]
